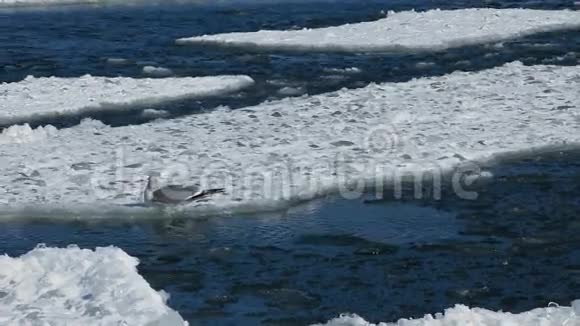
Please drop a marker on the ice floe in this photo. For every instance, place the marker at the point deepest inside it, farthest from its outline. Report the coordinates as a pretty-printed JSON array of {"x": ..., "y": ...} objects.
[
  {"x": 37, "y": 98},
  {"x": 291, "y": 91},
  {"x": 276, "y": 153},
  {"x": 462, "y": 315},
  {"x": 73, "y": 286},
  {"x": 432, "y": 30},
  {"x": 117, "y": 61},
  {"x": 152, "y": 113},
  {"x": 345, "y": 71},
  {"x": 157, "y": 71}
]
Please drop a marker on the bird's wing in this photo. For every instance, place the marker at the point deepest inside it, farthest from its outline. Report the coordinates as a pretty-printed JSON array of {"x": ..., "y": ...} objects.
[
  {"x": 191, "y": 188},
  {"x": 204, "y": 193},
  {"x": 172, "y": 195}
]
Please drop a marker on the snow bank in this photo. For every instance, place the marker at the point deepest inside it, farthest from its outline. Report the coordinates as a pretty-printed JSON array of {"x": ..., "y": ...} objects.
[
  {"x": 462, "y": 315},
  {"x": 36, "y": 98},
  {"x": 72, "y": 286},
  {"x": 274, "y": 154},
  {"x": 433, "y": 30}
]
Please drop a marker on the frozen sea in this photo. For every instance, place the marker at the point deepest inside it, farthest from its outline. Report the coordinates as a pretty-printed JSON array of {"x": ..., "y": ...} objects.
[{"x": 516, "y": 247}]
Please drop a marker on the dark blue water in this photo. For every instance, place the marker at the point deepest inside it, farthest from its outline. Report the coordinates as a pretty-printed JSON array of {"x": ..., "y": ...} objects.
[{"x": 515, "y": 248}]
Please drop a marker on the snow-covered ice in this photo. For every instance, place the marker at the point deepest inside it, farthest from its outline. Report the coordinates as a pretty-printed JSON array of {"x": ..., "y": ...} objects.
[
  {"x": 432, "y": 30},
  {"x": 274, "y": 154},
  {"x": 24, "y": 133},
  {"x": 462, "y": 315},
  {"x": 37, "y": 98},
  {"x": 73, "y": 286}
]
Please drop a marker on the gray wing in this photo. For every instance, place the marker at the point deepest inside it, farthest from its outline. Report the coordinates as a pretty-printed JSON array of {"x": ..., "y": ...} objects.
[
  {"x": 174, "y": 194},
  {"x": 192, "y": 188}
]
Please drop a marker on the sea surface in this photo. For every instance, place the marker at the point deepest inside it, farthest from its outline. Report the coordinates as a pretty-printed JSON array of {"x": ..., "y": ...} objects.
[{"x": 514, "y": 248}]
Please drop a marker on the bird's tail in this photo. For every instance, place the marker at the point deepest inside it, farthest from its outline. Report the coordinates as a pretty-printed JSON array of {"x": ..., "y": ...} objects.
[{"x": 206, "y": 193}]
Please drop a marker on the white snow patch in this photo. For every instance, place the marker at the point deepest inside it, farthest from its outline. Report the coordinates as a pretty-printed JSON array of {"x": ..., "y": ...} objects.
[
  {"x": 274, "y": 154},
  {"x": 24, "y": 134},
  {"x": 157, "y": 71},
  {"x": 37, "y": 98},
  {"x": 462, "y": 315},
  {"x": 73, "y": 286},
  {"x": 432, "y": 30}
]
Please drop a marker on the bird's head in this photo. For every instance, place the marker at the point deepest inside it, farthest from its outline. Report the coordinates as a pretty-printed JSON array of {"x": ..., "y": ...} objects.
[{"x": 152, "y": 182}]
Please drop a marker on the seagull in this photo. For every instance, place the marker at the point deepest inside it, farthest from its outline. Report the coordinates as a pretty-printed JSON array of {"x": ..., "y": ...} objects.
[{"x": 175, "y": 194}]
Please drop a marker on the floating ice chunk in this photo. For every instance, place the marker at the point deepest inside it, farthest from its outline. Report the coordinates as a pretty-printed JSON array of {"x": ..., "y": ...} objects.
[
  {"x": 281, "y": 83},
  {"x": 157, "y": 71},
  {"x": 345, "y": 71},
  {"x": 291, "y": 91},
  {"x": 152, "y": 113},
  {"x": 117, "y": 61},
  {"x": 36, "y": 98},
  {"x": 433, "y": 30},
  {"x": 274, "y": 154},
  {"x": 568, "y": 58},
  {"x": 425, "y": 65},
  {"x": 92, "y": 124},
  {"x": 24, "y": 134},
  {"x": 462, "y": 315},
  {"x": 72, "y": 286}
]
